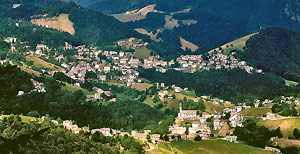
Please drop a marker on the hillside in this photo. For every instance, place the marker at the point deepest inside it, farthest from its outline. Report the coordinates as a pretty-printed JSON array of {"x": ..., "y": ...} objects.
[
  {"x": 234, "y": 85},
  {"x": 207, "y": 23},
  {"x": 274, "y": 50},
  {"x": 42, "y": 137},
  {"x": 287, "y": 126},
  {"x": 61, "y": 23},
  {"x": 203, "y": 147},
  {"x": 91, "y": 27}
]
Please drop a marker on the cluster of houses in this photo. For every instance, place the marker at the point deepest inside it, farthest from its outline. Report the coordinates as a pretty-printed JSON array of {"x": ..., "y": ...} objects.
[
  {"x": 132, "y": 43},
  {"x": 91, "y": 59},
  {"x": 200, "y": 125},
  {"x": 164, "y": 92},
  {"x": 193, "y": 63},
  {"x": 68, "y": 124},
  {"x": 38, "y": 86}
]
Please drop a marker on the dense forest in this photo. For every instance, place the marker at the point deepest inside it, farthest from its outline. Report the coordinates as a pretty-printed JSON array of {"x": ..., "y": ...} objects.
[
  {"x": 274, "y": 50},
  {"x": 233, "y": 85}
]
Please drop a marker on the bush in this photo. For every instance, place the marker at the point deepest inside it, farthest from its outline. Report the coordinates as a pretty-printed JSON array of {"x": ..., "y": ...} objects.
[
  {"x": 33, "y": 114},
  {"x": 197, "y": 138}
]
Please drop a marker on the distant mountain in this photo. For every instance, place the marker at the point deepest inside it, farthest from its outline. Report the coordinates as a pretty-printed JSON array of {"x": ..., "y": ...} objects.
[{"x": 205, "y": 23}]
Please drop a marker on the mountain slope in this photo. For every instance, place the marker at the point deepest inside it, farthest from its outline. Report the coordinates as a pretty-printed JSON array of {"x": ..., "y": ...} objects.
[
  {"x": 91, "y": 27},
  {"x": 215, "y": 22},
  {"x": 274, "y": 50}
]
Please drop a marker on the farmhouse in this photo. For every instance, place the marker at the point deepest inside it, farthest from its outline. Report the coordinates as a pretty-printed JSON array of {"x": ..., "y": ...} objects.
[
  {"x": 162, "y": 93},
  {"x": 231, "y": 138},
  {"x": 177, "y": 130}
]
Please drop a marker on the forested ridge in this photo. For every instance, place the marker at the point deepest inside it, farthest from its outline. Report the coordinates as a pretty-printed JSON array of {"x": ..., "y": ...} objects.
[
  {"x": 217, "y": 22},
  {"x": 91, "y": 27},
  {"x": 233, "y": 85},
  {"x": 274, "y": 50}
]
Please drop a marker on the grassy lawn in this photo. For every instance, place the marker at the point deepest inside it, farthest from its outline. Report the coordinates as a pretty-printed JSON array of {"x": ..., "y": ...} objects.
[
  {"x": 205, "y": 147},
  {"x": 72, "y": 88},
  {"x": 142, "y": 86},
  {"x": 256, "y": 112},
  {"x": 142, "y": 53},
  {"x": 39, "y": 63},
  {"x": 287, "y": 126}
]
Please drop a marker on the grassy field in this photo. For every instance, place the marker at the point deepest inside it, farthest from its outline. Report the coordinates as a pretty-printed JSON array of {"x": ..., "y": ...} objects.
[
  {"x": 152, "y": 36},
  {"x": 186, "y": 44},
  {"x": 284, "y": 142},
  {"x": 142, "y": 53},
  {"x": 39, "y": 63},
  {"x": 72, "y": 88},
  {"x": 256, "y": 112},
  {"x": 116, "y": 82},
  {"x": 142, "y": 86},
  {"x": 290, "y": 83},
  {"x": 171, "y": 23},
  {"x": 211, "y": 107},
  {"x": 61, "y": 23},
  {"x": 206, "y": 147},
  {"x": 25, "y": 68},
  {"x": 135, "y": 15},
  {"x": 26, "y": 119},
  {"x": 149, "y": 101},
  {"x": 287, "y": 126},
  {"x": 238, "y": 44}
]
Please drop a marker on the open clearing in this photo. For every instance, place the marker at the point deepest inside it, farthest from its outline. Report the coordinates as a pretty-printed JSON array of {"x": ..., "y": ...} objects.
[
  {"x": 171, "y": 23},
  {"x": 186, "y": 44},
  {"x": 26, "y": 68},
  {"x": 61, "y": 23},
  {"x": 25, "y": 119},
  {"x": 205, "y": 147},
  {"x": 284, "y": 142},
  {"x": 212, "y": 107},
  {"x": 189, "y": 22},
  {"x": 237, "y": 44},
  {"x": 39, "y": 63},
  {"x": 290, "y": 83},
  {"x": 287, "y": 126},
  {"x": 142, "y": 86},
  {"x": 152, "y": 36},
  {"x": 256, "y": 112},
  {"x": 136, "y": 15},
  {"x": 142, "y": 53},
  {"x": 72, "y": 88}
]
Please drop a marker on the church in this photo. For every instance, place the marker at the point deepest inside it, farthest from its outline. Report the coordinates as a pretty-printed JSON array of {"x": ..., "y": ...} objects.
[{"x": 187, "y": 114}]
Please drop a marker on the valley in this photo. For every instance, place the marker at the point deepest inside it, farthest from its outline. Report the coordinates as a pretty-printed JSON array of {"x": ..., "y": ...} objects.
[{"x": 149, "y": 77}]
